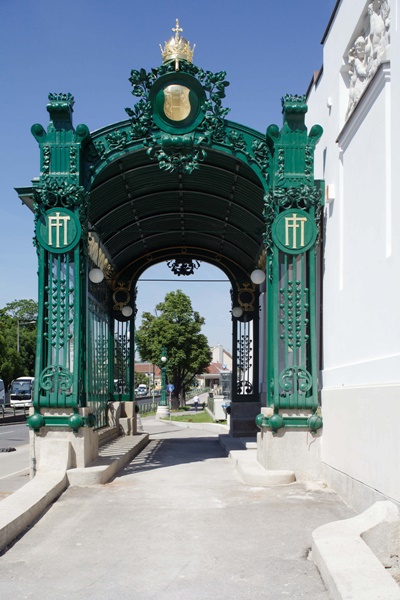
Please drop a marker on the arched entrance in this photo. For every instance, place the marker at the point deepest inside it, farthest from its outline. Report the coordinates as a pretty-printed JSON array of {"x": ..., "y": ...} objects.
[{"x": 176, "y": 181}]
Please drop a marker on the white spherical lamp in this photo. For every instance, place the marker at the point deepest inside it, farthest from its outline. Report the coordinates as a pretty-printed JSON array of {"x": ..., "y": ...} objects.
[
  {"x": 237, "y": 312},
  {"x": 163, "y": 359},
  {"x": 96, "y": 275},
  {"x": 127, "y": 311},
  {"x": 257, "y": 276}
]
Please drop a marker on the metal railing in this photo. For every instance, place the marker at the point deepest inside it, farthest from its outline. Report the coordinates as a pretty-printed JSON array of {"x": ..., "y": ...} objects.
[
  {"x": 148, "y": 404},
  {"x": 6, "y": 410}
]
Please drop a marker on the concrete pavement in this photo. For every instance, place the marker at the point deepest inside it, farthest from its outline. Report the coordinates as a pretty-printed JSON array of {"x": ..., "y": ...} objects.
[{"x": 177, "y": 522}]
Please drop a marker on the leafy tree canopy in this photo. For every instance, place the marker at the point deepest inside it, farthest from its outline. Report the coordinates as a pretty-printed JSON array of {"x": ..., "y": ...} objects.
[
  {"x": 141, "y": 378},
  {"x": 17, "y": 339},
  {"x": 24, "y": 310},
  {"x": 177, "y": 327}
]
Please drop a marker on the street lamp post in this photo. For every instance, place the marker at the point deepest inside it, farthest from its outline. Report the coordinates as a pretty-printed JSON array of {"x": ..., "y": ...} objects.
[
  {"x": 153, "y": 391},
  {"x": 163, "y": 411}
]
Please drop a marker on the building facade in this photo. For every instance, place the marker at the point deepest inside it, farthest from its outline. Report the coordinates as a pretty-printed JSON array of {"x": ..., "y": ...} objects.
[{"x": 355, "y": 98}]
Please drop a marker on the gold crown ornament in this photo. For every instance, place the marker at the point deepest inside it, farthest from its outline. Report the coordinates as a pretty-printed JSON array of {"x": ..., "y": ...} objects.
[{"x": 177, "y": 48}]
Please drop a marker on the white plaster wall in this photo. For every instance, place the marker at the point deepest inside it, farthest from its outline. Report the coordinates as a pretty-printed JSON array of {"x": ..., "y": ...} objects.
[
  {"x": 361, "y": 285},
  {"x": 361, "y": 436},
  {"x": 362, "y": 321}
]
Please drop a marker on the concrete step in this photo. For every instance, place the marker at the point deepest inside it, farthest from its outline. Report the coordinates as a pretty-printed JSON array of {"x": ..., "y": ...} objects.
[
  {"x": 112, "y": 457},
  {"x": 243, "y": 452}
]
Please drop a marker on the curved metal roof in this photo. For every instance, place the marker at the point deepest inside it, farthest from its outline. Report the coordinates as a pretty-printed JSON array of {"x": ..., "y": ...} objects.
[{"x": 143, "y": 214}]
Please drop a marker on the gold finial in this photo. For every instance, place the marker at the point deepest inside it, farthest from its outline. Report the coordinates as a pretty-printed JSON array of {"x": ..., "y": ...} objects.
[
  {"x": 177, "y": 48},
  {"x": 177, "y": 29}
]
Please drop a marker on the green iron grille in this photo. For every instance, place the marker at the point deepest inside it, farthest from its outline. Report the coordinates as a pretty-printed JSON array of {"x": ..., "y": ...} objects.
[
  {"x": 98, "y": 392},
  {"x": 296, "y": 385}
]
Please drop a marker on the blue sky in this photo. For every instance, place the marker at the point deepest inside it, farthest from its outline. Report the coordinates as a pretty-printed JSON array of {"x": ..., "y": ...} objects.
[{"x": 88, "y": 48}]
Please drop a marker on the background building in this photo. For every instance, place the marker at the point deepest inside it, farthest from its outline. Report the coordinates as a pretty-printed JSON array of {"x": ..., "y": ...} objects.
[
  {"x": 152, "y": 373},
  {"x": 211, "y": 378},
  {"x": 221, "y": 356}
]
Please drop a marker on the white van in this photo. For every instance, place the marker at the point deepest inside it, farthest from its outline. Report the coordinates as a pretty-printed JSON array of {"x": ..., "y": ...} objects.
[
  {"x": 21, "y": 392},
  {"x": 2, "y": 392}
]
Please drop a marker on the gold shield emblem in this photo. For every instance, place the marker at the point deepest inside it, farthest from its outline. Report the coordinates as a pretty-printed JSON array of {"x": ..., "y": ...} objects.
[{"x": 176, "y": 102}]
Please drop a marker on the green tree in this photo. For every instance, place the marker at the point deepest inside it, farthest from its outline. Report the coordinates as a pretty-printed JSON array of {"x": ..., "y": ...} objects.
[
  {"x": 17, "y": 339},
  {"x": 177, "y": 327},
  {"x": 141, "y": 378}
]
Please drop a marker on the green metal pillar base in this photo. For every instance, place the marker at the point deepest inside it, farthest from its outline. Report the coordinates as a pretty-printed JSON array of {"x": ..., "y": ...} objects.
[
  {"x": 72, "y": 420},
  {"x": 275, "y": 422}
]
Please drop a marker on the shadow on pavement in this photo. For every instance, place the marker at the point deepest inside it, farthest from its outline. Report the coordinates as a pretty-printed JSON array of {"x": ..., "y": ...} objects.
[{"x": 167, "y": 453}]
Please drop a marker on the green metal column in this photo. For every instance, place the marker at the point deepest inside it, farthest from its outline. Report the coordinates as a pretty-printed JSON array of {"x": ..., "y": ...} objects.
[
  {"x": 293, "y": 211},
  {"x": 61, "y": 204}
]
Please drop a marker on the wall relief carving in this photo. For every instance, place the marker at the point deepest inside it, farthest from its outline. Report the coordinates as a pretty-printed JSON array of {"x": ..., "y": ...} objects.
[{"x": 369, "y": 49}]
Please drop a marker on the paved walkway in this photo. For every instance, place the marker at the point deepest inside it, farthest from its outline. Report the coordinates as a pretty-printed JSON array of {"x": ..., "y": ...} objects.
[{"x": 176, "y": 523}]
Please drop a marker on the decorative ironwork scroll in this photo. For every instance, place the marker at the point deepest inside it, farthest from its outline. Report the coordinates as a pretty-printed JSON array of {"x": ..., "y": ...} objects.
[
  {"x": 183, "y": 267},
  {"x": 244, "y": 358}
]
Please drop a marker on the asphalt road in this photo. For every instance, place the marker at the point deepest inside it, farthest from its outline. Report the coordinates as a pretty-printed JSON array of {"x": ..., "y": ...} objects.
[
  {"x": 14, "y": 466},
  {"x": 13, "y": 434}
]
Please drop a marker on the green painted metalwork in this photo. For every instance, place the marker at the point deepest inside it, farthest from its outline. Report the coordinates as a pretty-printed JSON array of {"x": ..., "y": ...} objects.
[
  {"x": 293, "y": 214},
  {"x": 72, "y": 421},
  {"x": 61, "y": 224},
  {"x": 98, "y": 341},
  {"x": 174, "y": 182}
]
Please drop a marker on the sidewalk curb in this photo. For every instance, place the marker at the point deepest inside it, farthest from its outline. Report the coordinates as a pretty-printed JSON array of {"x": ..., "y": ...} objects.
[
  {"x": 20, "y": 509},
  {"x": 348, "y": 566}
]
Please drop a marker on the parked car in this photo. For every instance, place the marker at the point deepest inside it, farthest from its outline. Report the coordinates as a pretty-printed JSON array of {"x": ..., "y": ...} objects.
[{"x": 141, "y": 390}]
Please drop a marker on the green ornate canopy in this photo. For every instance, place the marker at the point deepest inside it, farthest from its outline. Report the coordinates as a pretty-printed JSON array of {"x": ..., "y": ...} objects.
[
  {"x": 144, "y": 215},
  {"x": 162, "y": 187},
  {"x": 176, "y": 180}
]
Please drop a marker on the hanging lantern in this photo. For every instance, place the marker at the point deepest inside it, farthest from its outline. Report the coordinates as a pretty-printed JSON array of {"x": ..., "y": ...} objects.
[
  {"x": 96, "y": 275},
  {"x": 237, "y": 312},
  {"x": 257, "y": 276},
  {"x": 127, "y": 311}
]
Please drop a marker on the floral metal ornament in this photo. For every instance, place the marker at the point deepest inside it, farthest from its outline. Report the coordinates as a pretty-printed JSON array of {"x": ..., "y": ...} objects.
[
  {"x": 186, "y": 106},
  {"x": 178, "y": 153},
  {"x": 59, "y": 192},
  {"x": 183, "y": 267}
]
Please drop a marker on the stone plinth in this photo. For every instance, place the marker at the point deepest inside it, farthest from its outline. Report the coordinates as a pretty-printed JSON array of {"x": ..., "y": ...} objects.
[
  {"x": 64, "y": 449},
  {"x": 128, "y": 418},
  {"x": 296, "y": 450}
]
